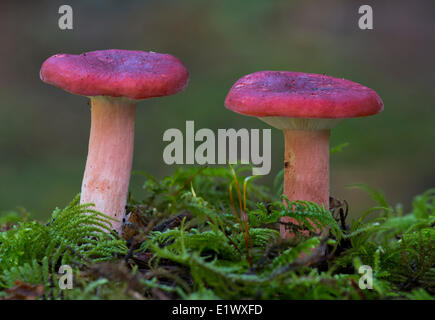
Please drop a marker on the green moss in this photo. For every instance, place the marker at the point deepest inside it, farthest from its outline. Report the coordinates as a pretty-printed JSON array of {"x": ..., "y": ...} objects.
[{"x": 214, "y": 233}]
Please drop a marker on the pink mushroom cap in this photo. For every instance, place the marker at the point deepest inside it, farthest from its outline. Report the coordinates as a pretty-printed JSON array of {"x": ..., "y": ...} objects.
[
  {"x": 301, "y": 95},
  {"x": 116, "y": 73}
]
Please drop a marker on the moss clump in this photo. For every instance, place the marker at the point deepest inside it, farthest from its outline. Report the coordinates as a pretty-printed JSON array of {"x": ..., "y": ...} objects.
[{"x": 212, "y": 233}]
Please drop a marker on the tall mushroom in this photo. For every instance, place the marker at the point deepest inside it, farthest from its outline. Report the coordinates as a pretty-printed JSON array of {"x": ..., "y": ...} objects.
[
  {"x": 305, "y": 107},
  {"x": 114, "y": 80}
]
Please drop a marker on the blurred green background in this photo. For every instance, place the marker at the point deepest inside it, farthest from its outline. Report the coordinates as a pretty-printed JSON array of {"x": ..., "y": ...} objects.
[{"x": 44, "y": 130}]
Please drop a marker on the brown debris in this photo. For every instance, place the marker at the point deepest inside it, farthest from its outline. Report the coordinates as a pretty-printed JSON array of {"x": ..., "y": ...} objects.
[{"x": 24, "y": 291}]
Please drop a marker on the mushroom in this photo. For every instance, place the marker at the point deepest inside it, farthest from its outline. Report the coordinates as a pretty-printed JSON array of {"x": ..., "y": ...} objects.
[
  {"x": 305, "y": 107},
  {"x": 114, "y": 80}
]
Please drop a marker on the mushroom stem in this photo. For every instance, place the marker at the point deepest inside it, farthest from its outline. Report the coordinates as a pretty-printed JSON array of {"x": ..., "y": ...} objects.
[
  {"x": 108, "y": 166},
  {"x": 306, "y": 168}
]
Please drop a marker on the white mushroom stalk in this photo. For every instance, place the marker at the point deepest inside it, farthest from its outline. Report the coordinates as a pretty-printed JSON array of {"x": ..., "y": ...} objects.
[{"x": 110, "y": 155}]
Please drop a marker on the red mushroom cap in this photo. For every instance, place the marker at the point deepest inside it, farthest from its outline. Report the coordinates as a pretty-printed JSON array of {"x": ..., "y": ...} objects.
[
  {"x": 116, "y": 73},
  {"x": 301, "y": 95}
]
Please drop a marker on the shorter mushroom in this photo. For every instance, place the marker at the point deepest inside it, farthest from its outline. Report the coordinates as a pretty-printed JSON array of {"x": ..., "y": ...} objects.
[
  {"x": 305, "y": 107},
  {"x": 114, "y": 80}
]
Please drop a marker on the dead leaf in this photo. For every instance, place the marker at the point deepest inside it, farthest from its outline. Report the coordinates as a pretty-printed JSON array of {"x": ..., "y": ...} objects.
[{"x": 24, "y": 291}]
